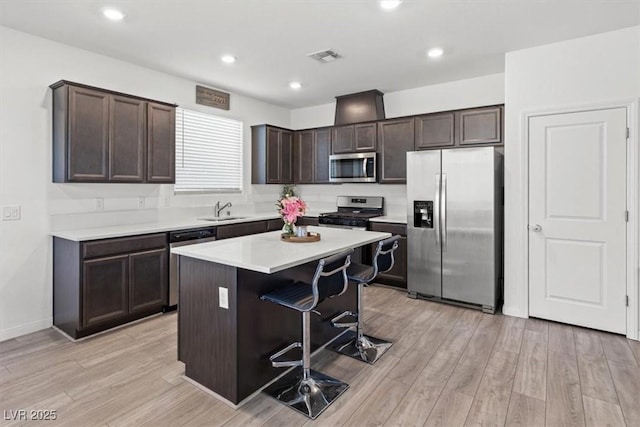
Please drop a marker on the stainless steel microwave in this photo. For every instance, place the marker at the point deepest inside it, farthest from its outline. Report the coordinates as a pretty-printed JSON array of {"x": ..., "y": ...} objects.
[{"x": 356, "y": 167}]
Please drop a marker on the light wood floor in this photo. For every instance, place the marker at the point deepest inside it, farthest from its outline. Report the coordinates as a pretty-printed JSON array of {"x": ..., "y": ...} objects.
[{"x": 449, "y": 366}]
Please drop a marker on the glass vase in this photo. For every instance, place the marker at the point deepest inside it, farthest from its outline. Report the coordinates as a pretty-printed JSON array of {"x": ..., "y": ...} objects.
[{"x": 288, "y": 229}]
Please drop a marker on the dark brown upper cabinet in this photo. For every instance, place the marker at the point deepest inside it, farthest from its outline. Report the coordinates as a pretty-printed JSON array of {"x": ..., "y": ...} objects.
[
  {"x": 365, "y": 137},
  {"x": 272, "y": 155},
  {"x": 353, "y": 138},
  {"x": 312, "y": 149},
  {"x": 304, "y": 154},
  {"x": 161, "y": 134},
  {"x": 342, "y": 139},
  {"x": 479, "y": 126},
  {"x": 395, "y": 138},
  {"x": 127, "y": 139},
  {"x": 322, "y": 150},
  {"x": 83, "y": 123},
  {"x": 105, "y": 136},
  {"x": 459, "y": 128},
  {"x": 434, "y": 131}
]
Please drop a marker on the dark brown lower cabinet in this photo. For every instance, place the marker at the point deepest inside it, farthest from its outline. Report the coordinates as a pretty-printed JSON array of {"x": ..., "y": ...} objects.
[
  {"x": 104, "y": 289},
  {"x": 104, "y": 283},
  {"x": 241, "y": 229},
  {"x": 146, "y": 272},
  {"x": 397, "y": 276}
]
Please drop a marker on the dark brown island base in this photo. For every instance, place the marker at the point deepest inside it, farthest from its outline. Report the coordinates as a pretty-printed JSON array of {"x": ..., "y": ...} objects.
[{"x": 225, "y": 332}]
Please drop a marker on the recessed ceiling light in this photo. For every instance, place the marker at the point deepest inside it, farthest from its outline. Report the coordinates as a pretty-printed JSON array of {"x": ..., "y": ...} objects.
[
  {"x": 389, "y": 4},
  {"x": 228, "y": 59},
  {"x": 113, "y": 14},
  {"x": 436, "y": 52},
  {"x": 295, "y": 85}
]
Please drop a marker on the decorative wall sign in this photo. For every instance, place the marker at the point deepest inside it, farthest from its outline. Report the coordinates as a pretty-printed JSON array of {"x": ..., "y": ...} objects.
[{"x": 212, "y": 98}]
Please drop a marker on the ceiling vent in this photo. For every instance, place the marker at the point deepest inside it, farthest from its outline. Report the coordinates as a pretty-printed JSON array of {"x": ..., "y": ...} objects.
[{"x": 324, "y": 56}]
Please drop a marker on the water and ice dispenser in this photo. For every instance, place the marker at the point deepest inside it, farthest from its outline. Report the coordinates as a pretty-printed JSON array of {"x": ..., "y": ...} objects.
[{"x": 423, "y": 213}]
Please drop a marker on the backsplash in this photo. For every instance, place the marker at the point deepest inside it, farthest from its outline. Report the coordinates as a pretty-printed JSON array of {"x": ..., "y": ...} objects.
[
  {"x": 322, "y": 198},
  {"x": 74, "y": 206}
]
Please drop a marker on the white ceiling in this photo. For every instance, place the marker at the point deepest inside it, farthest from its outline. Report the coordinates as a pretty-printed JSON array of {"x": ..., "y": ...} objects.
[{"x": 271, "y": 38}]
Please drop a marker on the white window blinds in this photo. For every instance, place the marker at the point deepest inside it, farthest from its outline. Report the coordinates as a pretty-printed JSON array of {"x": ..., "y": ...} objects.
[{"x": 208, "y": 152}]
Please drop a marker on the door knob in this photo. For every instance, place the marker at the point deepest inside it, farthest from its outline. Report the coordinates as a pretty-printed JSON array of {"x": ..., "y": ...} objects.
[{"x": 537, "y": 228}]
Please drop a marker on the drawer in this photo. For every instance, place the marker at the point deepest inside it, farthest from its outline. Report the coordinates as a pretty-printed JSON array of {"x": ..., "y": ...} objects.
[
  {"x": 307, "y": 220},
  {"x": 388, "y": 227},
  {"x": 97, "y": 248},
  {"x": 243, "y": 229}
]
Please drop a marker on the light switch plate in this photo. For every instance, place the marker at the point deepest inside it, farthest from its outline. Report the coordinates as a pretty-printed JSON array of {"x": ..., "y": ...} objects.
[
  {"x": 11, "y": 212},
  {"x": 223, "y": 297}
]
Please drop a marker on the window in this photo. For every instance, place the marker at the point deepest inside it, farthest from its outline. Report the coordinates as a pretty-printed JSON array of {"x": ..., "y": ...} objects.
[{"x": 208, "y": 152}]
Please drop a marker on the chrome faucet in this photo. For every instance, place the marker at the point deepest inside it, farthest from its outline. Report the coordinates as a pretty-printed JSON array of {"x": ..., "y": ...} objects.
[{"x": 217, "y": 209}]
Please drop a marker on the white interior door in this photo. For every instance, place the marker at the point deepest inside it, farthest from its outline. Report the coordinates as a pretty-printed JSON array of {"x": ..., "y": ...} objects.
[{"x": 577, "y": 218}]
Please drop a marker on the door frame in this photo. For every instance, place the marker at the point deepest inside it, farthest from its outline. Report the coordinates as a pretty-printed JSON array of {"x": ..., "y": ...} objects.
[{"x": 632, "y": 198}]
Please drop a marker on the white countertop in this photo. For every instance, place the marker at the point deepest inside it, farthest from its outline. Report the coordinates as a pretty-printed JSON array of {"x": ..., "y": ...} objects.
[
  {"x": 152, "y": 227},
  {"x": 390, "y": 218},
  {"x": 266, "y": 253}
]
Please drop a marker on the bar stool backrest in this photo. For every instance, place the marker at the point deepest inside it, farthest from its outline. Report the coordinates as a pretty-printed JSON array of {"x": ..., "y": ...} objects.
[
  {"x": 330, "y": 278},
  {"x": 383, "y": 259}
]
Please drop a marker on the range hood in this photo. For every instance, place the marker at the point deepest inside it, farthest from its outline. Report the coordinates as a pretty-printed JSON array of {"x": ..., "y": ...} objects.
[{"x": 359, "y": 107}]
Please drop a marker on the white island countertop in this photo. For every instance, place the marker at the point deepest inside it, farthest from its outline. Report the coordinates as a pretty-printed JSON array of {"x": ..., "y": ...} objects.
[{"x": 266, "y": 253}]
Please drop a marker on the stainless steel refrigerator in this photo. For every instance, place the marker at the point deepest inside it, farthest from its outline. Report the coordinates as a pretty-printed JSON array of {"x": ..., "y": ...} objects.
[{"x": 454, "y": 226}]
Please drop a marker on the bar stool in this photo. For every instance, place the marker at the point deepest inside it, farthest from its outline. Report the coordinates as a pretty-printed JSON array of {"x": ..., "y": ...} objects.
[
  {"x": 305, "y": 390},
  {"x": 355, "y": 343}
]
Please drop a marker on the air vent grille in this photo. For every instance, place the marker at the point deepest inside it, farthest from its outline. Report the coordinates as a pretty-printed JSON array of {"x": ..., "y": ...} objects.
[{"x": 324, "y": 56}]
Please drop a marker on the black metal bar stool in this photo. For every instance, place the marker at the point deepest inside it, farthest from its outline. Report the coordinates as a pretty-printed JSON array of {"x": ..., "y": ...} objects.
[
  {"x": 355, "y": 343},
  {"x": 305, "y": 390}
]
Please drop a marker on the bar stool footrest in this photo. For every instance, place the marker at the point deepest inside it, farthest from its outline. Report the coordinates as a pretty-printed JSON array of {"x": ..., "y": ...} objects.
[
  {"x": 369, "y": 349},
  {"x": 308, "y": 396},
  {"x": 337, "y": 324},
  {"x": 285, "y": 363}
]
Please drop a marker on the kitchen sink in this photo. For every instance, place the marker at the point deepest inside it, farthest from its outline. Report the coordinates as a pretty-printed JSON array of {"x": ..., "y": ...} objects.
[{"x": 222, "y": 219}]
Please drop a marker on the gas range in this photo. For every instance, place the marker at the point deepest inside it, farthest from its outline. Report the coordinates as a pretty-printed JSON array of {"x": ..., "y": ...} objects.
[{"x": 353, "y": 212}]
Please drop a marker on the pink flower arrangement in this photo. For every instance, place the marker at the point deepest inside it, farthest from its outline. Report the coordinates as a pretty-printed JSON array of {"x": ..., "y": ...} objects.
[{"x": 291, "y": 208}]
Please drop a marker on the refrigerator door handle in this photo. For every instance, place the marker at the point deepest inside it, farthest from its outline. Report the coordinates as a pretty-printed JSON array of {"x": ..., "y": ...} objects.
[
  {"x": 443, "y": 211},
  {"x": 436, "y": 212}
]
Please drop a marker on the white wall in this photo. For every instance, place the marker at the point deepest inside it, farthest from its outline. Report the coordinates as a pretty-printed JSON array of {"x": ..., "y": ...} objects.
[
  {"x": 479, "y": 91},
  {"x": 588, "y": 71},
  {"x": 28, "y": 65}
]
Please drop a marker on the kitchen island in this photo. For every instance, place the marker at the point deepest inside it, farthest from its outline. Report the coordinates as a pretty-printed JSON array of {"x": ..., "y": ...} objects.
[{"x": 225, "y": 332}]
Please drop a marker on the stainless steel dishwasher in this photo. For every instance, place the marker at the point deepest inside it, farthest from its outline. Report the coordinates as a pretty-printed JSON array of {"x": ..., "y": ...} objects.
[{"x": 183, "y": 238}]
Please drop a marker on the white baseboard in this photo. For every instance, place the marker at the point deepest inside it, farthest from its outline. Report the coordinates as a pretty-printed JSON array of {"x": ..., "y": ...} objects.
[
  {"x": 7, "y": 334},
  {"x": 514, "y": 311}
]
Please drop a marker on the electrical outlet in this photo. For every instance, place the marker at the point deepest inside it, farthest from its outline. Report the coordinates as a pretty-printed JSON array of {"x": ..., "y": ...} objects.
[
  {"x": 99, "y": 204},
  {"x": 11, "y": 213},
  {"x": 140, "y": 202},
  {"x": 223, "y": 297}
]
